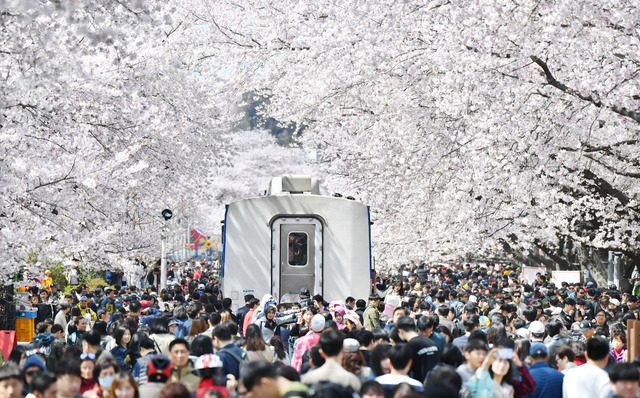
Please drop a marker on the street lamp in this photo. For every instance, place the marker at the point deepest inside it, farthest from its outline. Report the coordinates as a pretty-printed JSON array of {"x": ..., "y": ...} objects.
[{"x": 166, "y": 214}]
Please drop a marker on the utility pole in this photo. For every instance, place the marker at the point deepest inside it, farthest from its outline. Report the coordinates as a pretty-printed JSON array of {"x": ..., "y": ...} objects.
[{"x": 166, "y": 214}]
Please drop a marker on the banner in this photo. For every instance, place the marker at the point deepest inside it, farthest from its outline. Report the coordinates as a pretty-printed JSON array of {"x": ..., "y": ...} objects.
[
  {"x": 557, "y": 277},
  {"x": 529, "y": 273}
]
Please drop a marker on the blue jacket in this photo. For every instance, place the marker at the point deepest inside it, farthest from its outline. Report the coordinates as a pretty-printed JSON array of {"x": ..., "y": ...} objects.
[
  {"x": 548, "y": 381},
  {"x": 120, "y": 353},
  {"x": 229, "y": 364},
  {"x": 183, "y": 329}
]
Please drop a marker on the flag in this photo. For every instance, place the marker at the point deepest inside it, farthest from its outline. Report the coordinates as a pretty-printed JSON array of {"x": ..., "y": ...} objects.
[{"x": 196, "y": 238}]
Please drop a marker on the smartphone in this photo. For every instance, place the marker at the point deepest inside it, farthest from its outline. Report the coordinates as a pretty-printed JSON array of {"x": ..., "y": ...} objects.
[{"x": 505, "y": 353}]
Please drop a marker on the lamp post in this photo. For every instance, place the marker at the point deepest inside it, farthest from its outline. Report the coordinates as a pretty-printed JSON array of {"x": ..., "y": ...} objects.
[{"x": 166, "y": 214}]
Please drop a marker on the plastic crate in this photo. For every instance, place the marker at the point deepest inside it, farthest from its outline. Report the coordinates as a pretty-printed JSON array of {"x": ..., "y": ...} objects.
[
  {"x": 25, "y": 329},
  {"x": 26, "y": 314}
]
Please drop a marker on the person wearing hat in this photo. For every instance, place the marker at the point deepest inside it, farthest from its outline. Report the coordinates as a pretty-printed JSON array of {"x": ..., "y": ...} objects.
[
  {"x": 371, "y": 315},
  {"x": 86, "y": 310},
  {"x": 209, "y": 367},
  {"x": 586, "y": 331},
  {"x": 331, "y": 347},
  {"x": 548, "y": 380},
  {"x": 536, "y": 331},
  {"x": 304, "y": 343},
  {"x": 31, "y": 367}
]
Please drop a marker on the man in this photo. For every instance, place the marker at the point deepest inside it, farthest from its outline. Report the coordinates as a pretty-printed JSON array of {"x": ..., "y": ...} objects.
[
  {"x": 183, "y": 330},
  {"x": 426, "y": 324},
  {"x": 624, "y": 380},
  {"x": 230, "y": 354},
  {"x": 109, "y": 302},
  {"x": 69, "y": 379},
  {"x": 371, "y": 316},
  {"x": 397, "y": 313},
  {"x": 254, "y": 303},
  {"x": 242, "y": 311},
  {"x": 400, "y": 359},
  {"x": 44, "y": 385},
  {"x": 555, "y": 339},
  {"x": 57, "y": 346},
  {"x": 103, "y": 315},
  {"x": 183, "y": 371},
  {"x": 564, "y": 359},
  {"x": 350, "y": 303},
  {"x": 589, "y": 380},
  {"x": 548, "y": 381},
  {"x": 10, "y": 381},
  {"x": 75, "y": 338},
  {"x": 332, "y": 351},
  {"x": 85, "y": 309},
  {"x": 61, "y": 317},
  {"x": 424, "y": 350},
  {"x": 443, "y": 316},
  {"x": 475, "y": 352},
  {"x": 147, "y": 349},
  {"x": 262, "y": 380},
  {"x": 536, "y": 332},
  {"x": 304, "y": 343},
  {"x": 470, "y": 323},
  {"x": 586, "y": 331},
  {"x": 91, "y": 344},
  {"x": 567, "y": 311}
]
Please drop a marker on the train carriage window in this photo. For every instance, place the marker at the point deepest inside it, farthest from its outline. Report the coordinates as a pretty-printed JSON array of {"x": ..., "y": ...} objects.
[{"x": 298, "y": 248}]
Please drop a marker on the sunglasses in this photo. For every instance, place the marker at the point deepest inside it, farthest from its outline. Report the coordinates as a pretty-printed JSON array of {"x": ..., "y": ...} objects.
[
  {"x": 32, "y": 373},
  {"x": 90, "y": 355}
]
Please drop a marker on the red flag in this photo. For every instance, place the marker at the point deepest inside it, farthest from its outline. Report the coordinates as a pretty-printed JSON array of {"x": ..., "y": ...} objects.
[{"x": 196, "y": 238}]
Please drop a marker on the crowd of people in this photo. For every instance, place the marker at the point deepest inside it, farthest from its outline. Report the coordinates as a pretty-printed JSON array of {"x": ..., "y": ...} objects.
[{"x": 455, "y": 330}]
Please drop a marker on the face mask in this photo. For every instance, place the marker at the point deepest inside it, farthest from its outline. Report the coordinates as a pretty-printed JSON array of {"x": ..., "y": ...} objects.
[{"x": 105, "y": 382}]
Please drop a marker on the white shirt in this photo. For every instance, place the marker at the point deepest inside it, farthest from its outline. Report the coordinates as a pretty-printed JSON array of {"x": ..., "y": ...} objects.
[
  {"x": 394, "y": 380},
  {"x": 586, "y": 381}
]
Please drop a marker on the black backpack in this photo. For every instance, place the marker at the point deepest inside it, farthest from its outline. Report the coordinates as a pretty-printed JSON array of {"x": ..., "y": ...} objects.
[{"x": 327, "y": 389}]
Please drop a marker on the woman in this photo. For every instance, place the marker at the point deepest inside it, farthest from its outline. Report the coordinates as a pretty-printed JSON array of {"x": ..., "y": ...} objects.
[
  {"x": 122, "y": 336},
  {"x": 160, "y": 335},
  {"x": 353, "y": 360},
  {"x": 198, "y": 326},
  {"x": 338, "y": 317},
  {"x": 268, "y": 323},
  {"x": 280, "y": 354},
  {"x": 494, "y": 376},
  {"x": 618, "y": 344},
  {"x": 351, "y": 324},
  {"x": 124, "y": 386},
  {"x": 89, "y": 386},
  {"x": 380, "y": 363},
  {"x": 255, "y": 345},
  {"x": 105, "y": 372}
]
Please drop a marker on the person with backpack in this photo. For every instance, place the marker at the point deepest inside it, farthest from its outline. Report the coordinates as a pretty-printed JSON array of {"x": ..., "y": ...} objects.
[
  {"x": 183, "y": 370},
  {"x": 234, "y": 359}
]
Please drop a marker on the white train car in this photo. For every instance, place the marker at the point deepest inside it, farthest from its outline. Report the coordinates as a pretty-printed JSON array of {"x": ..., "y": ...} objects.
[{"x": 293, "y": 237}]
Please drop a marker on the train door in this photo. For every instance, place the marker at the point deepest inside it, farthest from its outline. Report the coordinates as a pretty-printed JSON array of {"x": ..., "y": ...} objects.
[{"x": 296, "y": 259}]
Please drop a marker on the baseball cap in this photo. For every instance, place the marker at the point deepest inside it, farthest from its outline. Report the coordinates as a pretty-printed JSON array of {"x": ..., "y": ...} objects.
[
  {"x": 615, "y": 302},
  {"x": 536, "y": 327},
  {"x": 317, "y": 323},
  {"x": 159, "y": 368},
  {"x": 585, "y": 325},
  {"x": 173, "y": 322},
  {"x": 538, "y": 349},
  {"x": 351, "y": 345}
]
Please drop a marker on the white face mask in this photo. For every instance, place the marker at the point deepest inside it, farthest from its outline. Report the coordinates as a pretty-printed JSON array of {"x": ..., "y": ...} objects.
[{"x": 106, "y": 382}]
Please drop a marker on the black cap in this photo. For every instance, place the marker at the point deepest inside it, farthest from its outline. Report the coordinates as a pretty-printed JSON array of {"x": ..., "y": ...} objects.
[{"x": 304, "y": 293}]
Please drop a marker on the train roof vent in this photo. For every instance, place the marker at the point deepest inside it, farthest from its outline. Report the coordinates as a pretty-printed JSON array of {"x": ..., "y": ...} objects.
[{"x": 293, "y": 184}]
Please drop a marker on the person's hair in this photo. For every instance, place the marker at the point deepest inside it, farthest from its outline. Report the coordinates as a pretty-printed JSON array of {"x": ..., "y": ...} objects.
[
  {"x": 225, "y": 315},
  {"x": 198, "y": 326},
  {"x": 146, "y": 342},
  {"x": 254, "y": 339},
  {"x": 160, "y": 325},
  {"x": 426, "y": 322},
  {"x": 406, "y": 323},
  {"x": 597, "y": 348},
  {"x": 569, "y": 301},
  {"x": 120, "y": 379},
  {"x": 192, "y": 310},
  {"x": 92, "y": 337},
  {"x": 565, "y": 351},
  {"x": 177, "y": 341},
  {"x": 399, "y": 356},
  {"x": 452, "y": 356},
  {"x": 364, "y": 337},
  {"x": 372, "y": 387},
  {"x": 201, "y": 345},
  {"x": 403, "y": 390},
  {"x": 476, "y": 344},
  {"x": 446, "y": 375},
  {"x": 530, "y": 313},
  {"x": 331, "y": 342},
  {"x": 315, "y": 356},
  {"x": 380, "y": 334},
  {"x": 222, "y": 332},
  {"x": 278, "y": 347},
  {"x": 471, "y": 322},
  {"x": 68, "y": 367},
  {"x": 623, "y": 371},
  {"x": 105, "y": 364},
  {"x": 42, "y": 327},
  {"x": 444, "y": 310},
  {"x": 226, "y": 302},
  {"x": 248, "y": 297},
  {"x": 180, "y": 312},
  {"x": 361, "y": 303},
  {"x": 56, "y": 328},
  {"x": 579, "y": 348},
  {"x": 11, "y": 370},
  {"x": 215, "y": 319},
  {"x": 255, "y": 371},
  {"x": 521, "y": 348},
  {"x": 353, "y": 362},
  {"x": 253, "y": 302},
  {"x": 553, "y": 326},
  {"x": 496, "y": 332},
  {"x": 135, "y": 306},
  {"x": 118, "y": 334},
  {"x": 42, "y": 381},
  {"x": 174, "y": 390}
]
